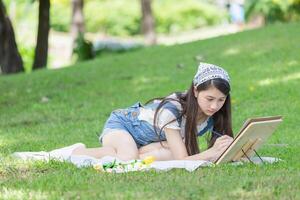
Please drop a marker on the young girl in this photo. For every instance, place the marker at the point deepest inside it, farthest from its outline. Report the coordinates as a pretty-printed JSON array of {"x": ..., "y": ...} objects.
[{"x": 167, "y": 128}]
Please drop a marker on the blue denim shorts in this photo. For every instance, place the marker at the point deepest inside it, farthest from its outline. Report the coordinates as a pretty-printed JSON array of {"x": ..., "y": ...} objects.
[{"x": 127, "y": 120}]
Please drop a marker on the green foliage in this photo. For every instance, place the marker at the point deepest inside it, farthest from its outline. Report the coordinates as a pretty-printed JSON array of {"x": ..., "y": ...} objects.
[
  {"x": 83, "y": 49},
  {"x": 60, "y": 13},
  {"x": 274, "y": 10},
  {"x": 265, "y": 80},
  {"x": 22, "y": 10},
  {"x": 184, "y": 15},
  {"x": 27, "y": 54},
  {"x": 294, "y": 10},
  {"x": 123, "y": 18},
  {"x": 113, "y": 17}
]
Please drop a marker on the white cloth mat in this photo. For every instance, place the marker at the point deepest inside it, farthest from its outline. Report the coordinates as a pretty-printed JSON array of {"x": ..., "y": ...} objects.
[{"x": 86, "y": 161}]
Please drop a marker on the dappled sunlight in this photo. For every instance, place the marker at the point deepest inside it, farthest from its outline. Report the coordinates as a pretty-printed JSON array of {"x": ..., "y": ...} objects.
[
  {"x": 1, "y": 142},
  {"x": 142, "y": 82},
  {"x": 255, "y": 194},
  {"x": 278, "y": 80},
  {"x": 7, "y": 193},
  {"x": 22, "y": 142},
  {"x": 278, "y": 67},
  {"x": 231, "y": 51},
  {"x": 292, "y": 63},
  {"x": 258, "y": 53},
  {"x": 7, "y": 146},
  {"x": 5, "y": 142}
]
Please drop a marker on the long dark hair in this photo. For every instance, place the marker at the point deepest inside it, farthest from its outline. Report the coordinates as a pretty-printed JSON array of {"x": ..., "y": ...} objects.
[{"x": 190, "y": 107}]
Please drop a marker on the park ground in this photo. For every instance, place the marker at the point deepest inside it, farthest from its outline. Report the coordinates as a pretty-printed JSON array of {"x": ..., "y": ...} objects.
[{"x": 48, "y": 109}]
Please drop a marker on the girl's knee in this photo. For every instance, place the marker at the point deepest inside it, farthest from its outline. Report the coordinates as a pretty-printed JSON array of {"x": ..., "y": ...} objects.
[
  {"x": 127, "y": 157},
  {"x": 123, "y": 143}
]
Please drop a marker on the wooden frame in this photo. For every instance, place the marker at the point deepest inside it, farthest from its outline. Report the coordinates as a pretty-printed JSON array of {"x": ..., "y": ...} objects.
[{"x": 252, "y": 135}]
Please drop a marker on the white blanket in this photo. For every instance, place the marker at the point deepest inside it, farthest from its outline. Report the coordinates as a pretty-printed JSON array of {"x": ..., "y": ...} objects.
[
  {"x": 86, "y": 161},
  {"x": 190, "y": 165}
]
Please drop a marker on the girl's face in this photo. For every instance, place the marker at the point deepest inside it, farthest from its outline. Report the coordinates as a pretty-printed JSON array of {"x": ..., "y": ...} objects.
[{"x": 210, "y": 100}]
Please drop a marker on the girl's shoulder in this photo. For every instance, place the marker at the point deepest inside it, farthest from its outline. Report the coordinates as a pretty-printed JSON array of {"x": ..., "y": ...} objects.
[{"x": 172, "y": 101}]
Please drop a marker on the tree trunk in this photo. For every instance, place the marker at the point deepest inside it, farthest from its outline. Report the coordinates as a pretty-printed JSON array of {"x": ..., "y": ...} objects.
[
  {"x": 10, "y": 59},
  {"x": 148, "y": 25},
  {"x": 41, "y": 49},
  {"x": 77, "y": 24}
]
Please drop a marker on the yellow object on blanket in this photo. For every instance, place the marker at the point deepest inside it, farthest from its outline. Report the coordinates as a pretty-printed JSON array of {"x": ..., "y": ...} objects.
[{"x": 119, "y": 167}]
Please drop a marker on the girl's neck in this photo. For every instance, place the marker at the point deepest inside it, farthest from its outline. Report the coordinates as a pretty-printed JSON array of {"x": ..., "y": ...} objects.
[{"x": 201, "y": 117}]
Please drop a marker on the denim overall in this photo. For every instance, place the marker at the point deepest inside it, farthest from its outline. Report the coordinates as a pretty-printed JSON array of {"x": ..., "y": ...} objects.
[
  {"x": 141, "y": 131},
  {"x": 127, "y": 120}
]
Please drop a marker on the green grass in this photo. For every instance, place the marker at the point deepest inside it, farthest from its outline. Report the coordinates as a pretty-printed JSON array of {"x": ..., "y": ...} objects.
[{"x": 264, "y": 65}]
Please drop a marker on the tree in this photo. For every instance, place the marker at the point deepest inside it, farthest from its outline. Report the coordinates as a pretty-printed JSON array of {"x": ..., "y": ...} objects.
[
  {"x": 82, "y": 48},
  {"x": 10, "y": 59},
  {"x": 41, "y": 50},
  {"x": 77, "y": 24},
  {"x": 148, "y": 24}
]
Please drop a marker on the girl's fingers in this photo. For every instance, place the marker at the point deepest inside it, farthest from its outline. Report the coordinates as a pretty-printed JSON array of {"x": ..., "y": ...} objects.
[
  {"x": 224, "y": 137},
  {"x": 229, "y": 140},
  {"x": 224, "y": 144},
  {"x": 223, "y": 148}
]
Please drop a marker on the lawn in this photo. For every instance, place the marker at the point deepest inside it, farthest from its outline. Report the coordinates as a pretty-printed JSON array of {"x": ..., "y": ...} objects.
[{"x": 49, "y": 109}]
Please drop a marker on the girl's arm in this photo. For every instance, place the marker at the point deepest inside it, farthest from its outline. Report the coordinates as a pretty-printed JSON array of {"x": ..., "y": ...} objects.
[
  {"x": 179, "y": 152},
  {"x": 213, "y": 153},
  {"x": 176, "y": 144}
]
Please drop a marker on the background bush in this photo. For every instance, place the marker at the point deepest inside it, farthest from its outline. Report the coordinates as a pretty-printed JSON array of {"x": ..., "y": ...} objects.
[
  {"x": 60, "y": 15},
  {"x": 113, "y": 17},
  {"x": 122, "y": 18},
  {"x": 27, "y": 53},
  {"x": 185, "y": 15},
  {"x": 274, "y": 10}
]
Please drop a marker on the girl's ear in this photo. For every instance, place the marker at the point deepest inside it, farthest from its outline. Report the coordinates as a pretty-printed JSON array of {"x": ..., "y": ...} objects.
[{"x": 195, "y": 92}]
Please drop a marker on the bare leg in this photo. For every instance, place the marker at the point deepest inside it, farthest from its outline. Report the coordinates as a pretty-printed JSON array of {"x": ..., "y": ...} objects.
[
  {"x": 154, "y": 149},
  {"x": 157, "y": 150},
  {"x": 119, "y": 144},
  {"x": 98, "y": 152}
]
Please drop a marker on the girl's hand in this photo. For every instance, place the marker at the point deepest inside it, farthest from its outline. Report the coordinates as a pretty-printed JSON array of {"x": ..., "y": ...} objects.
[{"x": 220, "y": 146}]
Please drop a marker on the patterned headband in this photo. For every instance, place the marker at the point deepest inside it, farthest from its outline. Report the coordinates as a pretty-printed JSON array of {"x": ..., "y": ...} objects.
[{"x": 208, "y": 72}]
